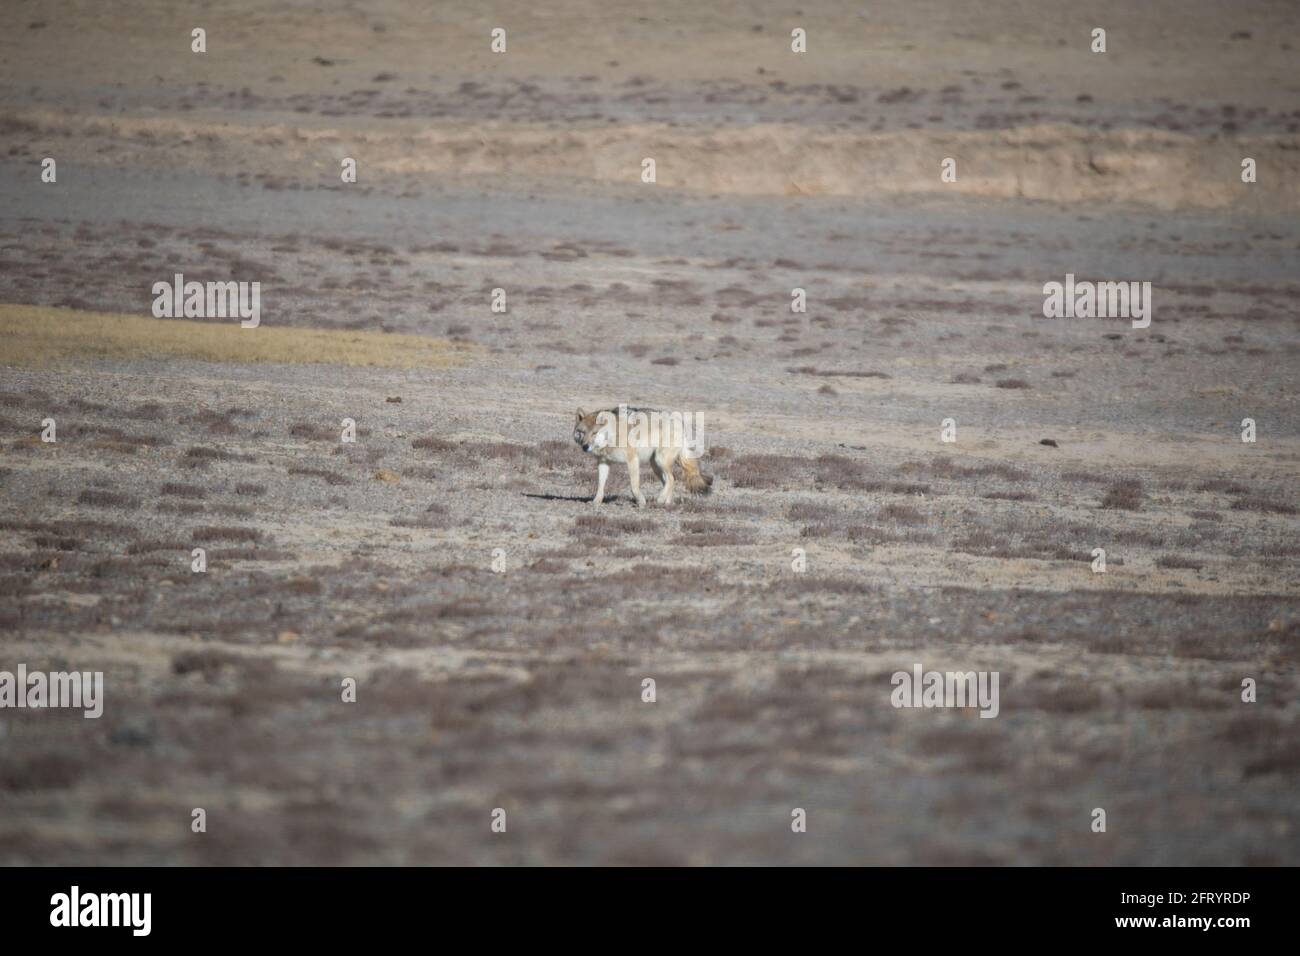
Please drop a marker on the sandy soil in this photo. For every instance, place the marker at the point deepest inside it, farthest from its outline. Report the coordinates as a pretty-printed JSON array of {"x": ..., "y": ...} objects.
[{"x": 522, "y": 688}]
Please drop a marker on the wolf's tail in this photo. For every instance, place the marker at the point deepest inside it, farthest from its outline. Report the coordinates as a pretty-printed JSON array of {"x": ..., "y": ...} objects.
[{"x": 696, "y": 481}]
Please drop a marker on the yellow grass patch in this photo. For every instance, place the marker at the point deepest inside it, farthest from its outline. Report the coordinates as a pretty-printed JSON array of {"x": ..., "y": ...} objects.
[{"x": 39, "y": 335}]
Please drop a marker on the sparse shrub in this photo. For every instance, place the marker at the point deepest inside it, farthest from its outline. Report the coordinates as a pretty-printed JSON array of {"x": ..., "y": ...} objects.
[
  {"x": 811, "y": 511},
  {"x": 97, "y": 498},
  {"x": 433, "y": 443},
  {"x": 1263, "y": 505},
  {"x": 1223, "y": 486},
  {"x": 1010, "y": 496},
  {"x": 1124, "y": 495},
  {"x": 182, "y": 491},
  {"x": 330, "y": 477},
  {"x": 765, "y": 471},
  {"x": 902, "y": 514},
  {"x": 604, "y": 525},
  {"x": 218, "y": 533}
]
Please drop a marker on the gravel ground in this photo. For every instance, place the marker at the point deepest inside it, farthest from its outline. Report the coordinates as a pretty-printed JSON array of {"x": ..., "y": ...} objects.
[{"x": 499, "y": 628}]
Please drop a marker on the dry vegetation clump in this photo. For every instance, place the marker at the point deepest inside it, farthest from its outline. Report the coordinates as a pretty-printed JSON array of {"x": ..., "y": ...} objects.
[
  {"x": 1084, "y": 477},
  {"x": 200, "y": 456},
  {"x": 608, "y": 526},
  {"x": 178, "y": 490},
  {"x": 857, "y": 528},
  {"x": 711, "y": 534},
  {"x": 329, "y": 477},
  {"x": 1124, "y": 495},
  {"x": 548, "y": 566},
  {"x": 848, "y": 474},
  {"x": 945, "y": 467},
  {"x": 208, "y": 664},
  {"x": 802, "y": 584},
  {"x": 812, "y": 511},
  {"x": 1009, "y": 535},
  {"x": 99, "y": 498},
  {"x": 146, "y": 411},
  {"x": 216, "y": 423},
  {"x": 436, "y": 517},
  {"x": 250, "y": 554},
  {"x": 1223, "y": 486},
  {"x": 764, "y": 471},
  {"x": 902, "y": 514},
  {"x": 313, "y": 432},
  {"x": 433, "y": 443},
  {"x": 471, "y": 454},
  {"x": 151, "y": 545},
  {"x": 227, "y": 533},
  {"x": 1264, "y": 506},
  {"x": 556, "y": 455}
]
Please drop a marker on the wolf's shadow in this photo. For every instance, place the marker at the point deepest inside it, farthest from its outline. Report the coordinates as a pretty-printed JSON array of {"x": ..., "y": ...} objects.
[{"x": 584, "y": 499}]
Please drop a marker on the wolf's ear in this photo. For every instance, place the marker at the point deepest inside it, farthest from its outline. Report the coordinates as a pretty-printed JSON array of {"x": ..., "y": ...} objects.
[{"x": 581, "y": 414}]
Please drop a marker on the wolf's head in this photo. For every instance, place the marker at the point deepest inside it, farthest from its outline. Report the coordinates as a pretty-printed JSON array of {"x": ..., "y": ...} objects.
[{"x": 591, "y": 432}]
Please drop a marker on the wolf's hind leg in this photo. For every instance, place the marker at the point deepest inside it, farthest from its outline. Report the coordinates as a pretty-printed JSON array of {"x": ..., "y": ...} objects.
[
  {"x": 634, "y": 478},
  {"x": 663, "y": 462}
]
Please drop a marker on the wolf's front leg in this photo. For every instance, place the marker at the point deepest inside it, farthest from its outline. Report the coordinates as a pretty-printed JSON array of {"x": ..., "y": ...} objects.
[
  {"x": 634, "y": 478},
  {"x": 602, "y": 472}
]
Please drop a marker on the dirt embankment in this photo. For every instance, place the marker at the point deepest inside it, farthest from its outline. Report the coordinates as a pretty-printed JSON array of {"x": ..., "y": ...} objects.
[{"x": 1058, "y": 162}]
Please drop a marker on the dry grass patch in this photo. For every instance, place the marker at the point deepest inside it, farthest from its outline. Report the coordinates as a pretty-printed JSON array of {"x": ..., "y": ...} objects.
[
  {"x": 1125, "y": 495},
  {"x": 330, "y": 477},
  {"x": 106, "y": 499},
  {"x": 182, "y": 491},
  {"x": 32, "y": 335},
  {"x": 1263, "y": 505},
  {"x": 603, "y": 525},
  {"x": 217, "y": 533}
]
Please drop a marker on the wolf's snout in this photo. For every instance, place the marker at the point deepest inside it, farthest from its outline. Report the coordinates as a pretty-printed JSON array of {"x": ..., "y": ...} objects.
[{"x": 587, "y": 447}]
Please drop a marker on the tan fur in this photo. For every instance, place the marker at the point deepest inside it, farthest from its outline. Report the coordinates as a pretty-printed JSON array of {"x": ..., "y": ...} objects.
[{"x": 596, "y": 434}]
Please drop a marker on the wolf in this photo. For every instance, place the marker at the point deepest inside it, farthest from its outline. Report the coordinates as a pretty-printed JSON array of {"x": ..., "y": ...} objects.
[{"x": 636, "y": 435}]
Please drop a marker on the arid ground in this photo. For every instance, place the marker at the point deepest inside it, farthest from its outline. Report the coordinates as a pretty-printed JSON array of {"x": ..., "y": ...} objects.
[{"x": 519, "y": 686}]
